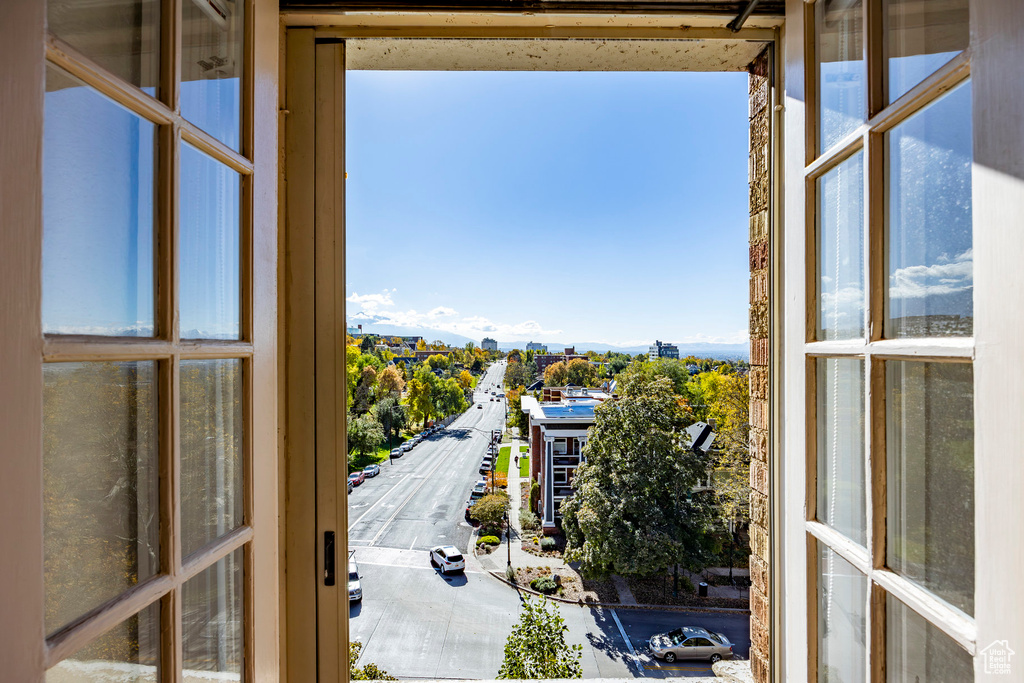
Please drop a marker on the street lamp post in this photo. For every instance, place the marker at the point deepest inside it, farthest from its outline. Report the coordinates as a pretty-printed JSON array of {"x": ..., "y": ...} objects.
[{"x": 508, "y": 537}]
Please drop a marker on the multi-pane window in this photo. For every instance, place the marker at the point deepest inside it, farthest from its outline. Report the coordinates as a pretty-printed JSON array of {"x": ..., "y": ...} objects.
[
  {"x": 147, "y": 538},
  {"x": 890, "y": 325}
]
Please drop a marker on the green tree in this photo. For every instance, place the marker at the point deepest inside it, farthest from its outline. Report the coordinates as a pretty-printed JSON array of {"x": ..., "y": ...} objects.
[
  {"x": 536, "y": 647},
  {"x": 632, "y": 512},
  {"x": 364, "y": 389},
  {"x": 364, "y": 433},
  {"x": 517, "y": 375},
  {"x": 438, "y": 362},
  {"x": 370, "y": 672},
  {"x": 391, "y": 416},
  {"x": 580, "y": 372}
]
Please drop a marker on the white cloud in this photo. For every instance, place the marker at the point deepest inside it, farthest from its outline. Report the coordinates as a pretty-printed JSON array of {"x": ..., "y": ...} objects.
[
  {"x": 371, "y": 302},
  {"x": 949, "y": 276},
  {"x": 441, "y": 312}
]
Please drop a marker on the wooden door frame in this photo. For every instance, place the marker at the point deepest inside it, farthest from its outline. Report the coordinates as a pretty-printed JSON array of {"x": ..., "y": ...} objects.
[{"x": 307, "y": 249}]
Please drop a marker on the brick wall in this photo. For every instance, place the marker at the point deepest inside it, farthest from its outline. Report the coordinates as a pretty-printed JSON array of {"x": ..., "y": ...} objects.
[{"x": 760, "y": 538}]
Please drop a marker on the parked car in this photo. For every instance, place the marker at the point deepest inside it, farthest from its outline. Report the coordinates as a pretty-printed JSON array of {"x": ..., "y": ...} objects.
[
  {"x": 371, "y": 470},
  {"x": 479, "y": 487},
  {"x": 689, "y": 642},
  {"x": 355, "y": 589},
  {"x": 407, "y": 446},
  {"x": 356, "y": 478},
  {"x": 448, "y": 558},
  {"x": 397, "y": 452},
  {"x": 350, "y": 487}
]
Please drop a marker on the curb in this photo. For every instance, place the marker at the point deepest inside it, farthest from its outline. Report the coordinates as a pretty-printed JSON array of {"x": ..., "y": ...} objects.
[{"x": 500, "y": 576}]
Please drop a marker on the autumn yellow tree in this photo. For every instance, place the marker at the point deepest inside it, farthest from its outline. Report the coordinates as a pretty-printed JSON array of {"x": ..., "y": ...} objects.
[
  {"x": 421, "y": 345},
  {"x": 556, "y": 374},
  {"x": 465, "y": 379},
  {"x": 390, "y": 382}
]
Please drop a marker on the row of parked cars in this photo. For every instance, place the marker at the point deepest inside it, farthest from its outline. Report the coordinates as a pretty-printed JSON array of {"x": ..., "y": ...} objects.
[{"x": 357, "y": 478}]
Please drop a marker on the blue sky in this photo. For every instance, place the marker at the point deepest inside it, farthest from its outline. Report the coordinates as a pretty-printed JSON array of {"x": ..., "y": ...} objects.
[{"x": 574, "y": 207}]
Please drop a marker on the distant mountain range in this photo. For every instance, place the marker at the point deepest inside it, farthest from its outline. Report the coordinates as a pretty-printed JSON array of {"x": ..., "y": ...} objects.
[{"x": 698, "y": 349}]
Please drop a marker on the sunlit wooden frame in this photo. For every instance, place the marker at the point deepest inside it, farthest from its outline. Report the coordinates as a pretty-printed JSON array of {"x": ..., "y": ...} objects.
[{"x": 167, "y": 349}]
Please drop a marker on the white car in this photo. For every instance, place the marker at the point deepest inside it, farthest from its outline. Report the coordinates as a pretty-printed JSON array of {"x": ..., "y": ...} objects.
[
  {"x": 371, "y": 470},
  {"x": 448, "y": 558},
  {"x": 355, "y": 590}
]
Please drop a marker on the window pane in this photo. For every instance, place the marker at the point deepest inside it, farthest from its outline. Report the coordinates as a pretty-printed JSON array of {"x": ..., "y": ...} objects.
[
  {"x": 841, "y": 446},
  {"x": 211, "y": 63},
  {"x": 930, "y": 460},
  {"x": 212, "y": 622},
  {"x": 210, "y": 249},
  {"x": 916, "y": 651},
  {"x": 921, "y": 37},
  {"x": 931, "y": 270},
  {"x": 842, "y": 626},
  {"x": 122, "y": 36},
  {"x": 98, "y": 215},
  {"x": 100, "y": 478},
  {"x": 211, "y": 450},
  {"x": 128, "y": 653},
  {"x": 842, "y": 73},
  {"x": 841, "y": 251}
]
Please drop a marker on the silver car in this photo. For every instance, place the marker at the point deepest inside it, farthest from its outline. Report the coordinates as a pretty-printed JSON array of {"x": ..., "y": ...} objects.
[
  {"x": 355, "y": 589},
  {"x": 690, "y": 642}
]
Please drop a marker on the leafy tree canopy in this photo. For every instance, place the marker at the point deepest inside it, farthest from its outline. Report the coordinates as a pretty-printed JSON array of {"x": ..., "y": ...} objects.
[
  {"x": 536, "y": 647},
  {"x": 556, "y": 374},
  {"x": 632, "y": 512}
]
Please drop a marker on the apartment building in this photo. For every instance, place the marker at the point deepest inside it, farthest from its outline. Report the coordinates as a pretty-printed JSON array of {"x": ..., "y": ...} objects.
[
  {"x": 558, "y": 432},
  {"x": 536, "y": 346},
  {"x": 488, "y": 344},
  {"x": 662, "y": 350},
  {"x": 886, "y": 199}
]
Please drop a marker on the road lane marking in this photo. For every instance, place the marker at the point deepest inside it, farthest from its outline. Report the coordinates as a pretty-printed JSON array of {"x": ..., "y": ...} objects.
[
  {"x": 629, "y": 644},
  {"x": 395, "y": 487},
  {"x": 413, "y": 542}
]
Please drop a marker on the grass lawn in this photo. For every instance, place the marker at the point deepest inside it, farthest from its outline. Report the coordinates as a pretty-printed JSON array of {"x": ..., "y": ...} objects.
[
  {"x": 524, "y": 462},
  {"x": 503, "y": 456},
  {"x": 358, "y": 462}
]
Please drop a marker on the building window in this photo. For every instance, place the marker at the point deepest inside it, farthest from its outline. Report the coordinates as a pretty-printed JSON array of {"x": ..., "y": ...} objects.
[
  {"x": 891, "y": 448},
  {"x": 147, "y": 227}
]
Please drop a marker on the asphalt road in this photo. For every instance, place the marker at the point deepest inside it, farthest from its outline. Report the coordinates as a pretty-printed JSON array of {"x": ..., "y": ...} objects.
[{"x": 415, "y": 623}]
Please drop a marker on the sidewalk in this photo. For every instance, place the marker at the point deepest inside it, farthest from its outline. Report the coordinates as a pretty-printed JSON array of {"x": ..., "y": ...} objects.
[{"x": 498, "y": 559}]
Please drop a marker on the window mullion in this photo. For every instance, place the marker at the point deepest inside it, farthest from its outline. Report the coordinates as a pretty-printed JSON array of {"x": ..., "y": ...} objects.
[{"x": 172, "y": 646}]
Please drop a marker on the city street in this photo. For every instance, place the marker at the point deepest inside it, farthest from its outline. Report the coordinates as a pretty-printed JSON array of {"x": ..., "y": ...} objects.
[{"x": 415, "y": 623}]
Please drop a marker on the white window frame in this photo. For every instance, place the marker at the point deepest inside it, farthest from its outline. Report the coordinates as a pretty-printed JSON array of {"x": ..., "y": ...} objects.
[{"x": 992, "y": 61}]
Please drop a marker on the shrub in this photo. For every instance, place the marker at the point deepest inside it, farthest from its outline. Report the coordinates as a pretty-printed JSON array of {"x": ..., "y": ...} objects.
[
  {"x": 686, "y": 585},
  {"x": 544, "y": 584},
  {"x": 510, "y": 575},
  {"x": 528, "y": 520},
  {"x": 490, "y": 510},
  {"x": 488, "y": 540},
  {"x": 547, "y": 543},
  {"x": 534, "y": 496}
]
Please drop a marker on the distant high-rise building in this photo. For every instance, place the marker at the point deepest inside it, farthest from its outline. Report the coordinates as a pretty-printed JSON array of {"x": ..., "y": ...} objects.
[
  {"x": 536, "y": 346},
  {"x": 662, "y": 350},
  {"x": 489, "y": 344}
]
